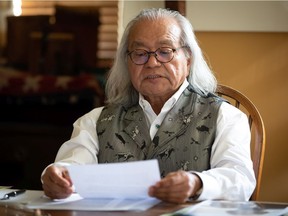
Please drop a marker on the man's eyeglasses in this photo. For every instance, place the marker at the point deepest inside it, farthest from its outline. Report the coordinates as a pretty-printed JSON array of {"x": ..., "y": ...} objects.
[{"x": 162, "y": 54}]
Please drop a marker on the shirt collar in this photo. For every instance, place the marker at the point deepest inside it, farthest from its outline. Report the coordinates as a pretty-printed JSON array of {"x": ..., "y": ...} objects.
[{"x": 169, "y": 103}]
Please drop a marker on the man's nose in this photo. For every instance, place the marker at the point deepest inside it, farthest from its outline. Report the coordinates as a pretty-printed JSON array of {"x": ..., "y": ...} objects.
[{"x": 152, "y": 59}]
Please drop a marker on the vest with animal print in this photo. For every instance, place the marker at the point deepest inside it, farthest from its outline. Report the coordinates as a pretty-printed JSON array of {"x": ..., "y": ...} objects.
[{"x": 183, "y": 140}]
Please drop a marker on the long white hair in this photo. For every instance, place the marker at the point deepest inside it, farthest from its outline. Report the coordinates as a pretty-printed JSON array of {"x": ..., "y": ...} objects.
[{"x": 119, "y": 88}]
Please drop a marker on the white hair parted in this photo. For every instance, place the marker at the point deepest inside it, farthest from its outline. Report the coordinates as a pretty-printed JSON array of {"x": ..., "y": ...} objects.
[{"x": 119, "y": 88}]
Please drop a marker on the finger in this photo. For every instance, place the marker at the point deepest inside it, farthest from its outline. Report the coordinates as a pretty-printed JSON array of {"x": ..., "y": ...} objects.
[
  {"x": 174, "y": 179},
  {"x": 175, "y": 191},
  {"x": 60, "y": 177},
  {"x": 171, "y": 197},
  {"x": 175, "y": 187},
  {"x": 57, "y": 183},
  {"x": 67, "y": 177},
  {"x": 55, "y": 191}
]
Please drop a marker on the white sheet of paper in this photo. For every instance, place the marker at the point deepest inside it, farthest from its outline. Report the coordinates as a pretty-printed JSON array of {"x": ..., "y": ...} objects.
[
  {"x": 75, "y": 202},
  {"x": 228, "y": 208},
  {"x": 37, "y": 200},
  {"x": 126, "y": 180}
]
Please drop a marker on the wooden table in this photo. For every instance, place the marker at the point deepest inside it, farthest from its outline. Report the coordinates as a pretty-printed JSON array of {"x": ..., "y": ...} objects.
[
  {"x": 154, "y": 211},
  {"x": 157, "y": 210}
]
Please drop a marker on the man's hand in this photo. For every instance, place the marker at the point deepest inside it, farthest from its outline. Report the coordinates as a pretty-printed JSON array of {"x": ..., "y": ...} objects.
[
  {"x": 56, "y": 182},
  {"x": 176, "y": 187}
]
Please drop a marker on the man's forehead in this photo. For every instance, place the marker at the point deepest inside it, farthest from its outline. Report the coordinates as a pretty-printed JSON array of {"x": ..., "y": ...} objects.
[{"x": 141, "y": 33}]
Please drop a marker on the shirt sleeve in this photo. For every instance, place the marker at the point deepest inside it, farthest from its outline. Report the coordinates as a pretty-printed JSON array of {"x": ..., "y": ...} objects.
[
  {"x": 83, "y": 147},
  {"x": 231, "y": 175}
]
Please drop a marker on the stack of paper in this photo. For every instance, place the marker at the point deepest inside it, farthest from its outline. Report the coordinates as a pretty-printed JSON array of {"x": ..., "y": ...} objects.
[{"x": 101, "y": 187}]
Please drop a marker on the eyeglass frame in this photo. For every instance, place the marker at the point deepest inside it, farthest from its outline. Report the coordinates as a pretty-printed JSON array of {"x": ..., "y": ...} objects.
[{"x": 149, "y": 53}]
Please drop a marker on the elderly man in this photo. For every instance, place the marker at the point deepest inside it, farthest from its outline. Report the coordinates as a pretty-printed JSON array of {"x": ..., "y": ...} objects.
[{"x": 161, "y": 105}]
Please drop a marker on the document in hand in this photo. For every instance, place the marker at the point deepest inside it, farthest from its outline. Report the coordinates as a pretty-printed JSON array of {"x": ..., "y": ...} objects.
[
  {"x": 126, "y": 180},
  {"x": 104, "y": 187}
]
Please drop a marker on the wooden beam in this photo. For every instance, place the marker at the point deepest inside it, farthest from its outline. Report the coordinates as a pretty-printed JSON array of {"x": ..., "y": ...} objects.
[{"x": 178, "y": 5}]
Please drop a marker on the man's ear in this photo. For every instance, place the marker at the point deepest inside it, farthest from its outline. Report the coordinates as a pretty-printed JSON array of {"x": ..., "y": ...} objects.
[
  {"x": 190, "y": 58},
  {"x": 189, "y": 61}
]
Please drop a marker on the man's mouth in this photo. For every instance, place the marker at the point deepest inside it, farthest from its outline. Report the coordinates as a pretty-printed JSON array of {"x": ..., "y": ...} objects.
[{"x": 152, "y": 76}]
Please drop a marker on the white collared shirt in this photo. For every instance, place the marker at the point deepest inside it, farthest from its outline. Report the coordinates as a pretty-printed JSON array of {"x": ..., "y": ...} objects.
[
  {"x": 231, "y": 175},
  {"x": 154, "y": 120}
]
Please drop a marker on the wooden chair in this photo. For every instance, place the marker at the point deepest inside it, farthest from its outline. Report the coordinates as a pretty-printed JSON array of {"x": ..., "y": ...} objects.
[{"x": 258, "y": 137}]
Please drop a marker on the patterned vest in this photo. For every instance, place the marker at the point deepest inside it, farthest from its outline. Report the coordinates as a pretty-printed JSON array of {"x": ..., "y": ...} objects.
[{"x": 183, "y": 141}]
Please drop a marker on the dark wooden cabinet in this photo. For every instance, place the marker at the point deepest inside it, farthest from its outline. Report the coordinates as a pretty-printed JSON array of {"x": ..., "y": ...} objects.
[
  {"x": 68, "y": 45},
  {"x": 26, "y": 149},
  {"x": 18, "y": 37}
]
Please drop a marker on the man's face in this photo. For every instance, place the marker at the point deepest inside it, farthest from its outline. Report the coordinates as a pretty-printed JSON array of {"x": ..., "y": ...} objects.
[{"x": 156, "y": 80}]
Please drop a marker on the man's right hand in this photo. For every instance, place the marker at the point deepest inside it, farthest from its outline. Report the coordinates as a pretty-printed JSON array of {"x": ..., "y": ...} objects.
[{"x": 56, "y": 182}]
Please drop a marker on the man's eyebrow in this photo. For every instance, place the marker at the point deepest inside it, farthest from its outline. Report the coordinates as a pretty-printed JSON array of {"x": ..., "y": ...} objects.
[
  {"x": 137, "y": 43},
  {"x": 166, "y": 42}
]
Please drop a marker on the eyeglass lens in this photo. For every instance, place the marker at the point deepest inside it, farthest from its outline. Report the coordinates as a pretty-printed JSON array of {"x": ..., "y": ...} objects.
[{"x": 162, "y": 55}]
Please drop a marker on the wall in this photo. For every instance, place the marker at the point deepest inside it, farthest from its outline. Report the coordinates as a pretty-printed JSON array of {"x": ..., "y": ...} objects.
[
  {"x": 246, "y": 43},
  {"x": 256, "y": 64},
  {"x": 132, "y": 8},
  {"x": 238, "y": 15}
]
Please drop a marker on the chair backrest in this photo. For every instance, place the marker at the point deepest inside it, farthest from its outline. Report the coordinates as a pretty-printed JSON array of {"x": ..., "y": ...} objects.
[{"x": 258, "y": 136}]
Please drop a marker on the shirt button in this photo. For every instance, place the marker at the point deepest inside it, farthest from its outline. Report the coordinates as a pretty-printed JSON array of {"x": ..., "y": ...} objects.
[{"x": 157, "y": 126}]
